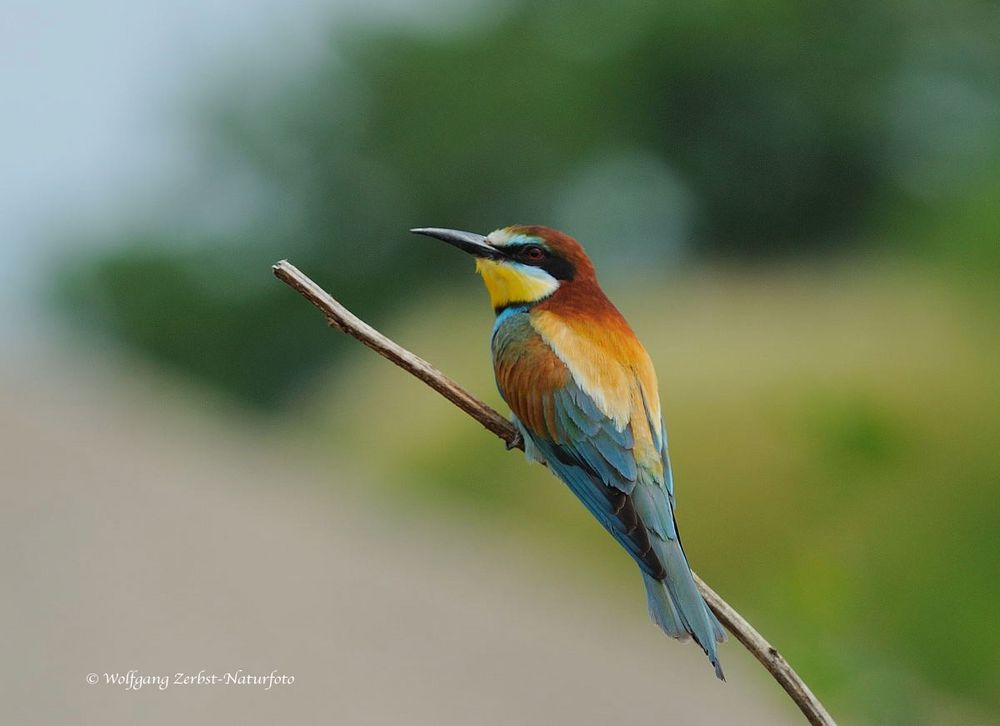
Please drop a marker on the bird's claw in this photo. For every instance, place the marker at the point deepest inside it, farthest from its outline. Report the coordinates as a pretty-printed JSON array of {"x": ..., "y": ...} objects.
[{"x": 516, "y": 442}]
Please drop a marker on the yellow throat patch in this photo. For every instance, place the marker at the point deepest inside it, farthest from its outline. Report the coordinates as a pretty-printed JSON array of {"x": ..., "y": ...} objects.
[{"x": 510, "y": 284}]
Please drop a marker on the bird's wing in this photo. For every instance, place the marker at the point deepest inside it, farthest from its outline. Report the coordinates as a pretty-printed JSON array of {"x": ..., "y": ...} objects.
[
  {"x": 595, "y": 454},
  {"x": 585, "y": 398}
]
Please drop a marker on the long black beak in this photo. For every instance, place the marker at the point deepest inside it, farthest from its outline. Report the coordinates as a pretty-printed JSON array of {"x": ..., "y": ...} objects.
[{"x": 474, "y": 244}]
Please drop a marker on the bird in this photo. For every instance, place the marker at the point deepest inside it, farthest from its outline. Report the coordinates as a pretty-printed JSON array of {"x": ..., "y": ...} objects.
[{"x": 584, "y": 398}]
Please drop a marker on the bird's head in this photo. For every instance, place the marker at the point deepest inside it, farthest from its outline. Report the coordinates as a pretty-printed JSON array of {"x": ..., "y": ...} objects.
[{"x": 521, "y": 264}]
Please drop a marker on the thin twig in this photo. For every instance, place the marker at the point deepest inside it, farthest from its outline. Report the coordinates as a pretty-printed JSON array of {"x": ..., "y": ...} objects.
[
  {"x": 768, "y": 656},
  {"x": 344, "y": 320}
]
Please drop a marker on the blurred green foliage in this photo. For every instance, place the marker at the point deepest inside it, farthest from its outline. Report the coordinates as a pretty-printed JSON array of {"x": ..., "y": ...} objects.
[{"x": 645, "y": 129}]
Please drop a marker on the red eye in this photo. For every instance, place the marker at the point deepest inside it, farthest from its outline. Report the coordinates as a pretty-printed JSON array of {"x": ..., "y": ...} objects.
[{"x": 534, "y": 253}]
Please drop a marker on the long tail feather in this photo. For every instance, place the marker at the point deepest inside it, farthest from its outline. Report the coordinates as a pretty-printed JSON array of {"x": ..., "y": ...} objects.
[
  {"x": 676, "y": 605},
  {"x": 662, "y": 610}
]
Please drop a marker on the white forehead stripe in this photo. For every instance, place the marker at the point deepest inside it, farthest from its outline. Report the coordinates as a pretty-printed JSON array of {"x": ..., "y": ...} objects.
[
  {"x": 498, "y": 237},
  {"x": 505, "y": 238}
]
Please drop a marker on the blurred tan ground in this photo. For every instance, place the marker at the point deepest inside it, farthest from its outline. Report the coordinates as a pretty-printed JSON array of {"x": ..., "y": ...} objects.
[{"x": 138, "y": 534}]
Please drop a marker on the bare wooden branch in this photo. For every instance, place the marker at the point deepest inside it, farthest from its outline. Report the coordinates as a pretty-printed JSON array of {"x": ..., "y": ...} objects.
[
  {"x": 344, "y": 320},
  {"x": 768, "y": 656}
]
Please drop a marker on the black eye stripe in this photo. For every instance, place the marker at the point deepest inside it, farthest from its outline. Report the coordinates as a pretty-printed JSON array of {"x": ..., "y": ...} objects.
[
  {"x": 559, "y": 268},
  {"x": 523, "y": 250}
]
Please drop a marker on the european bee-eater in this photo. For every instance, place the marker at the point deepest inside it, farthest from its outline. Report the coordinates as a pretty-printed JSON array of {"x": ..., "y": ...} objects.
[{"x": 584, "y": 397}]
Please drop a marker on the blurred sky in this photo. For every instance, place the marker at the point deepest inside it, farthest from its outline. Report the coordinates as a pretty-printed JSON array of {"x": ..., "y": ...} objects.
[{"x": 90, "y": 95}]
